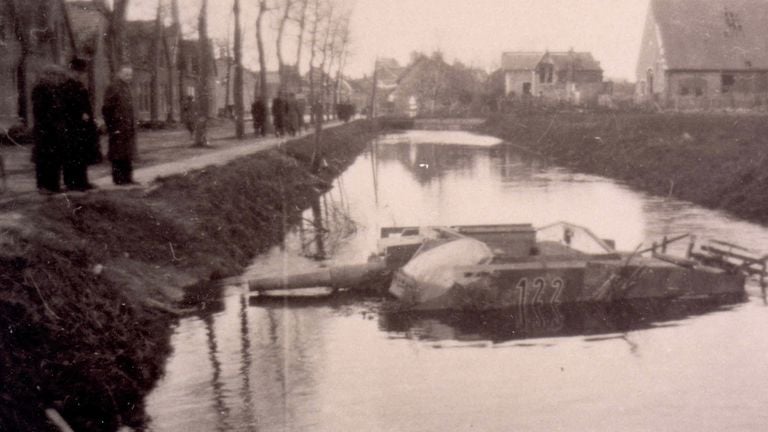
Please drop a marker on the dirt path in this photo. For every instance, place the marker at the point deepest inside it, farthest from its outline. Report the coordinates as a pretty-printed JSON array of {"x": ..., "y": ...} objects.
[{"x": 161, "y": 153}]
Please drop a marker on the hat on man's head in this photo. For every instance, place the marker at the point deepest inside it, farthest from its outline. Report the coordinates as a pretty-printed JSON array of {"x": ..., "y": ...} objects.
[{"x": 78, "y": 64}]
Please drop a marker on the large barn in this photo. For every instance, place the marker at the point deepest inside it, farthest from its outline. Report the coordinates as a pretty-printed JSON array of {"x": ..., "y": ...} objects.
[{"x": 705, "y": 54}]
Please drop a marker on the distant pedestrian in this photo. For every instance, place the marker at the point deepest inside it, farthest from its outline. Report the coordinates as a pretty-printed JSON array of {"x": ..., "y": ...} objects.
[
  {"x": 278, "y": 115},
  {"x": 291, "y": 114},
  {"x": 301, "y": 108},
  {"x": 50, "y": 111},
  {"x": 188, "y": 114},
  {"x": 121, "y": 126},
  {"x": 82, "y": 139},
  {"x": 259, "y": 114}
]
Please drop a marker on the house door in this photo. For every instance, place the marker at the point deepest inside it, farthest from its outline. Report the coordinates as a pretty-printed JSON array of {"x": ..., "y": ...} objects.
[{"x": 527, "y": 88}]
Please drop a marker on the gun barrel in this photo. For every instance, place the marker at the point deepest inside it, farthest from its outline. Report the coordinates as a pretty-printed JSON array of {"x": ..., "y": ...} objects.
[{"x": 345, "y": 276}]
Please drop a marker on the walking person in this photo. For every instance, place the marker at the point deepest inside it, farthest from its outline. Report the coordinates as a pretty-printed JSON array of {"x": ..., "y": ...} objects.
[
  {"x": 278, "y": 114},
  {"x": 50, "y": 112},
  {"x": 291, "y": 115},
  {"x": 259, "y": 114},
  {"x": 81, "y": 146},
  {"x": 121, "y": 127},
  {"x": 188, "y": 114}
]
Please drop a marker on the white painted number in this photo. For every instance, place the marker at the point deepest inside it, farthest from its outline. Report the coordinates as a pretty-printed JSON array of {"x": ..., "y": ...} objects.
[{"x": 539, "y": 285}]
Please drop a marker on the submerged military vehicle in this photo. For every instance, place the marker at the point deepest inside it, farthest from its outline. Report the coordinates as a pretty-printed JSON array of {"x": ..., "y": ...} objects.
[{"x": 502, "y": 266}]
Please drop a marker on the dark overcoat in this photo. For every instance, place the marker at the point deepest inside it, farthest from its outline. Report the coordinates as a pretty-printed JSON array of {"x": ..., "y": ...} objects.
[
  {"x": 278, "y": 113},
  {"x": 120, "y": 121},
  {"x": 259, "y": 113},
  {"x": 50, "y": 111},
  {"x": 82, "y": 144}
]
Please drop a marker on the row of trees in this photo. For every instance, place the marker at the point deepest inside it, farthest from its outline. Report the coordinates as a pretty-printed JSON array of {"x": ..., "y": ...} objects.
[{"x": 321, "y": 27}]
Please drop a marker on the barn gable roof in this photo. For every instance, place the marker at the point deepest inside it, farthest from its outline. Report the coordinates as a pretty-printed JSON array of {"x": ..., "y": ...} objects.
[
  {"x": 529, "y": 61},
  {"x": 713, "y": 34},
  {"x": 520, "y": 61}
]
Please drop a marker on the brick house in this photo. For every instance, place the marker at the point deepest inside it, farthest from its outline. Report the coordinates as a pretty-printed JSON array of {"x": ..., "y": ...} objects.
[
  {"x": 564, "y": 76},
  {"x": 704, "y": 54},
  {"x": 153, "y": 97}
]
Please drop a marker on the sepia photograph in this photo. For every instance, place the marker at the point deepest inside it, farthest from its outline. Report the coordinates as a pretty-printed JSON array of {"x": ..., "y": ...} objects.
[{"x": 383, "y": 215}]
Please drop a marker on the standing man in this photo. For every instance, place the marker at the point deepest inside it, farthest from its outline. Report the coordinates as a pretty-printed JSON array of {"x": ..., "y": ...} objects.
[
  {"x": 188, "y": 114},
  {"x": 278, "y": 113},
  {"x": 259, "y": 114},
  {"x": 50, "y": 112},
  {"x": 82, "y": 138},
  {"x": 121, "y": 126}
]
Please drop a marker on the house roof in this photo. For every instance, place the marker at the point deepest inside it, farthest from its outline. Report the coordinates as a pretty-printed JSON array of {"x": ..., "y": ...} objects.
[
  {"x": 529, "y": 60},
  {"x": 520, "y": 60},
  {"x": 713, "y": 34},
  {"x": 581, "y": 60}
]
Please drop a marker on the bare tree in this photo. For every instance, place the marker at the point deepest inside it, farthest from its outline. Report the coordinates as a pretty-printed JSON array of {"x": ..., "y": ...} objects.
[
  {"x": 201, "y": 124},
  {"x": 115, "y": 32},
  {"x": 322, "y": 13},
  {"x": 238, "y": 86},
  {"x": 180, "y": 62},
  {"x": 343, "y": 40},
  {"x": 170, "y": 62},
  {"x": 285, "y": 12},
  {"x": 301, "y": 21},
  {"x": 263, "y": 9},
  {"x": 325, "y": 51},
  {"x": 23, "y": 37},
  {"x": 154, "y": 91}
]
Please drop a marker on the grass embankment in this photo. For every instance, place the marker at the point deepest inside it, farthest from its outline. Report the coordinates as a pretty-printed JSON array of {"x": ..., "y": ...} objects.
[
  {"x": 715, "y": 160},
  {"x": 87, "y": 283}
]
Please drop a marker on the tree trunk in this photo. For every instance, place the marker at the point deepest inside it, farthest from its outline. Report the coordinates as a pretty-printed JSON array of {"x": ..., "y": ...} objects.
[
  {"x": 154, "y": 84},
  {"x": 116, "y": 35},
  {"x": 300, "y": 41},
  {"x": 22, "y": 106},
  {"x": 238, "y": 87},
  {"x": 201, "y": 124},
  {"x": 180, "y": 62},
  {"x": 279, "y": 41},
  {"x": 262, "y": 58}
]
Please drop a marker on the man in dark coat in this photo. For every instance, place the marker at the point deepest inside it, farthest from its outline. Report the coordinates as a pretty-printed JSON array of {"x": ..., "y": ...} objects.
[
  {"x": 259, "y": 113},
  {"x": 121, "y": 126},
  {"x": 291, "y": 114},
  {"x": 278, "y": 114},
  {"x": 50, "y": 111},
  {"x": 82, "y": 140},
  {"x": 188, "y": 114}
]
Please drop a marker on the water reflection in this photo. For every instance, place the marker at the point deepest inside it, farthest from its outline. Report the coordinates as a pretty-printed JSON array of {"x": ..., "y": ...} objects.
[{"x": 547, "y": 321}]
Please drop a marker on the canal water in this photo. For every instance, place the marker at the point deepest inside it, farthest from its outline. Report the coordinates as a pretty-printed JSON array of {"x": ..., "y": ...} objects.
[{"x": 351, "y": 363}]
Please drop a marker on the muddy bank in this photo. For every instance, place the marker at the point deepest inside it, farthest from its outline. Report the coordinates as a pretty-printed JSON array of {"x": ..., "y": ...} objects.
[
  {"x": 714, "y": 160},
  {"x": 90, "y": 283}
]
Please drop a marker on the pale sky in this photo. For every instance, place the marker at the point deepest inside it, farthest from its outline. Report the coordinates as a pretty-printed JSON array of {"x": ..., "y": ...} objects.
[{"x": 475, "y": 32}]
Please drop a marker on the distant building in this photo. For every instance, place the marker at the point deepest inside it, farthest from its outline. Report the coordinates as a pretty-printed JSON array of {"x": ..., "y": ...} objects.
[
  {"x": 159, "y": 61},
  {"x": 225, "y": 85},
  {"x": 43, "y": 27},
  {"x": 567, "y": 76},
  {"x": 704, "y": 54}
]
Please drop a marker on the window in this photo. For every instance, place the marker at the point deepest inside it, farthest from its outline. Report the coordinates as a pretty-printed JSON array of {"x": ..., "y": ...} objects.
[
  {"x": 684, "y": 91},
  {"x": 727, "y": 82},
  {"x": 546, "y": 71}
]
